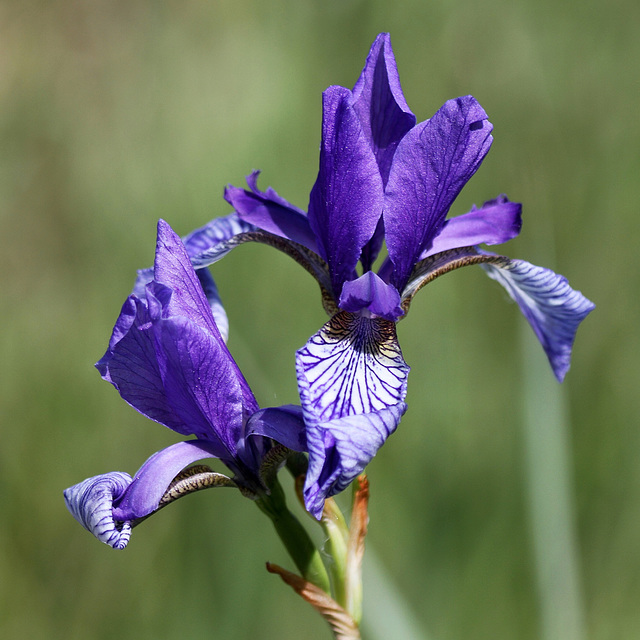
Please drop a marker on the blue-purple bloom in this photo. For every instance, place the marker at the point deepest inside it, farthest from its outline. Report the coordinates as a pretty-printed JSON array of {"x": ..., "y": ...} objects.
[
  {"x": 168, "y": 360},
  {"x": 384, "y": 177}
]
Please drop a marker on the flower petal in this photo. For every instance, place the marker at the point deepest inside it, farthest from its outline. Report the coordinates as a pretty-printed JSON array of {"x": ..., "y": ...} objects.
[
  {"x": 379, "y": 102},
  {"x": 131, "y": 366},
  {"x": 202, "y": 384},
  {"x": 340, "y": 449},
  {"x": 168, "y": 360},
  {"x": 497, "y": 221},
  {"x": 346, "y": 200},
  {"x": 353, "y": 365},
  {"x": 283, "y": 424},
  {"x": 218, "y": 231},
  {"x": 215, "y": 303},
  {"x": 371, "y": 293},
  {"x": 145, "y": 276},
  {"x": 310, "y": 260},
  {"x": 268, "y": 211},
  {"x": 91, "y": 504},
  {"x": 434, "y": 266},
  {"x": 150, "y": 483},
  {"x": 553, "y": 309},
  {"x": 431, "y": 165},
  {"x": 173, "y": 269}
]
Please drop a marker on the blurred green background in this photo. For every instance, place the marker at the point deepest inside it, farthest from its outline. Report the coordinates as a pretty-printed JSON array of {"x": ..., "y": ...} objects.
[{"x": 505, "y": 506}]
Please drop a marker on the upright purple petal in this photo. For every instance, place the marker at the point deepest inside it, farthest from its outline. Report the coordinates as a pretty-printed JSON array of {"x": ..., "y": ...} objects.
[
  {"x": 168, "y": 360},
  {"x": 268, "y": 211},
  {"x": 172, "y": 269},
  {"x": 91, "y": 504},
  {"x": 201, "y": 383},
  {"x": 431, "y": 165},
  {"x": 353, "y": 365},
  {"x": 553, "y": 309},
  {"x": 131, "y": 366},
  {"x": 340, "y": 449},
  {"x": 145, "y": 276},
  {"x": 379, "y": 102},
  {"x": 497, "y": 221},
  {"x": 346, "y": 200}
]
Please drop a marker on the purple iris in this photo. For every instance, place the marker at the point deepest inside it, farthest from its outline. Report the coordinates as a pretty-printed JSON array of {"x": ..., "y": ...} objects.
[
  {"x": 168, "y": 360},
  {"x": 383, "y": 177}
]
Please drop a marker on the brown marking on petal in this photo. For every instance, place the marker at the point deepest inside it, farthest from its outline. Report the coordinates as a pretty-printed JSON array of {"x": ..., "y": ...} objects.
[
  {"x": 345, "y": 325},
  {"x": 353, "y": 365},
  {"x": 194, "y": 479},
  {"x": 341, "y": 623},
  {"x": 190, "y": 480},
  {"x": 272, "y": 462},
  {"x": 438, "y": 264}
]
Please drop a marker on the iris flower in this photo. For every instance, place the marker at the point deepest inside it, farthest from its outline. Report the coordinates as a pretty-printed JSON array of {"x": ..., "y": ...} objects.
[
  {"x": 384, "y": 177},
  {"x": 168, "y": 360}
]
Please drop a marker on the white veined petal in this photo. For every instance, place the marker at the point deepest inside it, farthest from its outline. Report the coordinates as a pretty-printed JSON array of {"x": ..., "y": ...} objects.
[
  {"x": 353, "y": 365},
  {"x": 339, "y": 451},
  {"x": 554, "y": 310},
  {"x": 91, "y": 504}
]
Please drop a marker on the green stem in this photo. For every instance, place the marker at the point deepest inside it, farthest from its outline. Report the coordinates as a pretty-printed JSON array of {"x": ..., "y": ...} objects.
[
  {"x": 294, "y": 537},
  {"x": 337, "y": 532}
]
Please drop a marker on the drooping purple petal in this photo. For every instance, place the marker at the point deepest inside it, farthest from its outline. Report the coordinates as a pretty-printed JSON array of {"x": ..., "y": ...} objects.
[
  {"x": 283, "y": 424},
  {"x": 218, "y": 231},
  {"x": 353, "y": 365},
  {"x": 268, "y": 211},
  {"x": 497, "y": 221},
  {"x": 431, "y": 165},
  {"x": 438, "y": 264},
  {"x": 346, "y": 200},
  {"x": 340, "y": 449},
  {"x": 310, "y": 260},
  {"x": 379, "y": 102},
  {"x": 217, "y": 238},
  {"x": 553, "y": 309},
  {"x": 91, "y": 504},
  {"x": 150, "y": 483},
  {"x": 352, "y": 381},
  {"x": 371, "y": 293}
]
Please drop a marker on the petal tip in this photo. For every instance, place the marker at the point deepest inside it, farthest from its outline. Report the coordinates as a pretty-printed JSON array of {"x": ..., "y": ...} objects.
[{"x": 91, "y": 504}]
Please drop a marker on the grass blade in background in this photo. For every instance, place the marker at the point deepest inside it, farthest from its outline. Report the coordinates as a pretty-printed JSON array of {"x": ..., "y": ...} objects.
[{"x": 549, "y": 485}]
